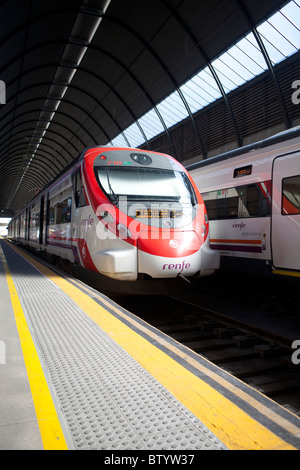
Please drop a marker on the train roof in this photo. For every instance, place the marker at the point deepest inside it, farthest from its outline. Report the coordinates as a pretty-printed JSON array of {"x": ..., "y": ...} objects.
[{"x": 275, "y": 139}]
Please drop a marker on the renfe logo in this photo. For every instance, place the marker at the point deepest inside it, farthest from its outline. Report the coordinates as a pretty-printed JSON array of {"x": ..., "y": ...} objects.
[
  {"x": 180, "y": 266},
  {"x": 240, "y": 226},
  {"x": 88, "y": 221}
]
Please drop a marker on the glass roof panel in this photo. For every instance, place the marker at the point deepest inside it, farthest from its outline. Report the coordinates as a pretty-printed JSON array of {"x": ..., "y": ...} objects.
[
  {"x": 278, "y": 48},
  {"x": 151, "y": 124},
  {"x": 249, "y": 54},
  {"x": 291, "y": 12},
  {"x": 192, "y": 94},
  {"x": 200, "y": 90},
  {"x": 119, "y": 141},
  {"x": 251, "y": 48},
  {"x": 289, "y": 30},
  {"x": 172, "y": 109},
  {"x": 281, "y": 34},
  {"x": 228, "y": 77},
  {"x": 134, "y": 135},
  {"x": 242, "y": 62},
  {"x": 208, "y": 83}
]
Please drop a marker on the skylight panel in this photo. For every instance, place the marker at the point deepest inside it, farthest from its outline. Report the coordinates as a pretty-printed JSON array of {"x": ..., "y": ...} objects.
[
  {"x": 291, "y": 12},
  {"x": 276, "y": 45},
  {"x": 172, "y": 109},
  {"x": 250, "y": 47},
  {"x": 208, "y": 84},
  {"x": 248, "y": 67},
  {"x": 241, "y": 72},
  {"x": 119, "y": 141},
  {"x": 227, "y": 77},
  {"x": 200, "y": 90},
  {"x": 243, "y": 53},
  {"x": 287, "y": 29},
  {"x": 134, "y": 135},
  {"x": 151, "y": 124},
  {"x": 239, "y": 64},
  {"x": 192, "y": 94}
]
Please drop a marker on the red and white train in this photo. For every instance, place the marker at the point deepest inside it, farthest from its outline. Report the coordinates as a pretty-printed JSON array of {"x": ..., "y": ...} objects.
[
  {"x": 125, "y": 213},
  {"x": 252, "y": 196}
]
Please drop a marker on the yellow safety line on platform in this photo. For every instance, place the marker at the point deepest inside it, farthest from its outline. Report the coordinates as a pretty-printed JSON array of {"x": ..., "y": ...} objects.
[
  {"x": 234, "y": 427},
  {"x": 49, "y": 425},
  {"x": 250, "y": 400},
  {"x": 283, "y": 272}
]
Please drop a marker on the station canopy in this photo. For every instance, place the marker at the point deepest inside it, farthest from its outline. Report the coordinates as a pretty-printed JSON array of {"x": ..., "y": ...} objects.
[{"x": 78, "y": 73}]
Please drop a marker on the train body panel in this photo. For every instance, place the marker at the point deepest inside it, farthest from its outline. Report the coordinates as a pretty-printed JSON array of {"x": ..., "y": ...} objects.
[
  {"x": 286, "y": 212},
  {"x": 124, "y": 213},
  {"x": 253, "y": 204}
]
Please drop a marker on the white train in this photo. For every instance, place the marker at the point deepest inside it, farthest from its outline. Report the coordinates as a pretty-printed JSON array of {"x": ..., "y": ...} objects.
[
  {"x": 252, "y": 196},
  {"x": 124, "y": 213}
]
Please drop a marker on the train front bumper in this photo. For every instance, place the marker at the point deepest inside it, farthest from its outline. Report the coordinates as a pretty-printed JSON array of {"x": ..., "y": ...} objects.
[{"x": 182, "y": 253}]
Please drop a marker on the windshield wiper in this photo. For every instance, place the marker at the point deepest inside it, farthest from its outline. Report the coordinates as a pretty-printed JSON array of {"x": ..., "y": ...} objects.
[
  {"x": 189, "y": 188},
  {"x": 112, "y": 194}
]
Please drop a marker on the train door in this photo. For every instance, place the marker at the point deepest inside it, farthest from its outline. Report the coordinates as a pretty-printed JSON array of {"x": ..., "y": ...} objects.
[
  {"x": 26, "y": 224},
  {"x": 42, "y": 221},
  {"x": 286, "y": 212}
]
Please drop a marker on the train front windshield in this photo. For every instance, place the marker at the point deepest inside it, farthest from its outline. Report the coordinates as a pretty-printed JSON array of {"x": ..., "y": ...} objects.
[{"x": 145, "y": 184}]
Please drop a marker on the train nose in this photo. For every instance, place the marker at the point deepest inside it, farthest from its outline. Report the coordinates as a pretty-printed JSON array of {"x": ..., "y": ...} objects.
[{"x": 167, "y": 257}]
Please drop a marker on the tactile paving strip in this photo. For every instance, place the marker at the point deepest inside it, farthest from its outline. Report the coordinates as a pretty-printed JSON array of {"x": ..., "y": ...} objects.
[{"x": 105, "y": 399}]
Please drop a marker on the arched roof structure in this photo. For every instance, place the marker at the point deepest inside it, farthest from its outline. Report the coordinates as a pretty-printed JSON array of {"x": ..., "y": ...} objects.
[{"x": 180, "y": 76}]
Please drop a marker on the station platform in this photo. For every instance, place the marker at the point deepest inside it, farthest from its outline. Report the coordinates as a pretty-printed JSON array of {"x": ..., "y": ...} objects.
[{"x": 79, "y": 372}]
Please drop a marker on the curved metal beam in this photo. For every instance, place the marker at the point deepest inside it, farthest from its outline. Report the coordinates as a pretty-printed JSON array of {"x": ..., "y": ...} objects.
[
  {"x": 265, "y": 54},
  {"x": 134, "y": 78},
  {"x": 48, "y": 138},
  {"x": 19, "y": 161},
  {"x": 10, "y": 171},
  {"x": 55, "y": 143},
  {"x": 81, "y": 109},
  {"x": 23, "y": 162},
  {"x": 49, "y": 130},
  {"x": 121, "y": 64},
  {"x": 18, "y": 148},
  {"x": 125, "y": 26},
  {"x": 38, "y": 17},
  {"x": 54, "y": 122},
  {"x": 186, "y": 29},
  {"x": 77, "y": 88},
  {"x": 37, "y": 171}
]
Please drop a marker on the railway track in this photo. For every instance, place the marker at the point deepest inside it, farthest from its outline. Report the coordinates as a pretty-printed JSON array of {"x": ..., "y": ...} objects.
[
  {"x": 260, "y": 357},
  {"x": 212, "y": 319}
]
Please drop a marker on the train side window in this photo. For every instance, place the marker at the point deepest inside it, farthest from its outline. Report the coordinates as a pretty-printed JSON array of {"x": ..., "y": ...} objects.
[
  {"x": 238, "y": 202},
  {"x": 60, "y": 213},
  {"x": 79, "y": 194},
  {"x": 231, "y": 204},
  {"x": 210, "y": 201},
  {"x": 64, "y": 211},
  {"x": 51, "y": 215},
  {"x": 221, "y": 204},
  {"x": 252, "y": 201},
  {"x": 291, "y": 195}
]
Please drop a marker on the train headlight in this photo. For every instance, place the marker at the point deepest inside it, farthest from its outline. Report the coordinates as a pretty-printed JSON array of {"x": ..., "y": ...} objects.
[
  {"x": 203, "y": 230},
  {"x": 141, "y": 158},
  {"x": 124, "y": 232}
]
